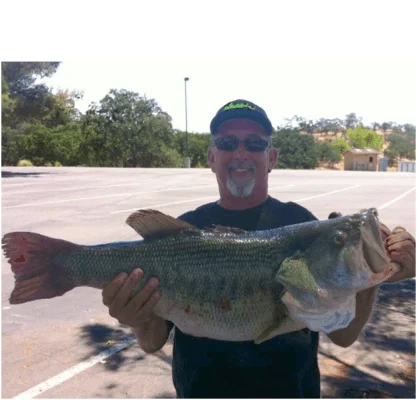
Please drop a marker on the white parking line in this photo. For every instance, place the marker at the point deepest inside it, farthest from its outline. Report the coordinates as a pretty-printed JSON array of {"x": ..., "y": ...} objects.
[
  {"x": 396, "y": 199},
  {"x": 25, "y": 316},
  {"x": 108, "y": 184},
  {"x": 163, "y": 205},
  {"x": 180, "y": 202},
  {"x": 102, "y": 197},
  {"x": 326, "y": 194},
  {"x": 75, "y": 370},
  {"x": 73, "y": 188},
  {"x": 53, "y": 181}
]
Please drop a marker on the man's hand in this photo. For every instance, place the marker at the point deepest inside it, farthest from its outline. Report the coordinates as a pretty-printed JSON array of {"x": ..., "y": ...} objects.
[
  {"x": 401, "y": 249},
  {"x": 127, "y": 308},
  {"x": 137, "y": 310}
]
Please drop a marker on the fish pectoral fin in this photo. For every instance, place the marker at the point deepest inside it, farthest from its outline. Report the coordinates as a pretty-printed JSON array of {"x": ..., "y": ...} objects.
[
  {"x": 280, "y": 327},
  {"x": 294, "y": 273},
  {"x": 153, "y": 223}
]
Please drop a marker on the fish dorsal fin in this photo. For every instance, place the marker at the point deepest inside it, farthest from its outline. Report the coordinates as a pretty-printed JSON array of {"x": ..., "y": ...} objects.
[
  {"x": 152, "y": 223},
  {"x": 226, "y": 229}
]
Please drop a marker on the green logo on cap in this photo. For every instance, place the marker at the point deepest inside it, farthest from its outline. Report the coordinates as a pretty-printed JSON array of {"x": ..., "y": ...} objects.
[{"x": 238, "y": 105}]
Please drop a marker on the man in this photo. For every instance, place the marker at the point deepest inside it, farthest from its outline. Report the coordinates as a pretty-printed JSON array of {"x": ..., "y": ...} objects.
[{"x": 241, "y": 156}]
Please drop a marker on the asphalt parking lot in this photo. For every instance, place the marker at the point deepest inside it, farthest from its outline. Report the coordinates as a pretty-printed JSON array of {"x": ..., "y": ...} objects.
[{"x": 69, "y": 347}]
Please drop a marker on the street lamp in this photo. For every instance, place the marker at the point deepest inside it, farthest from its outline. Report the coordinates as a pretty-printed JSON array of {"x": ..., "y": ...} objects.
[{"x": 187, "y": 158}]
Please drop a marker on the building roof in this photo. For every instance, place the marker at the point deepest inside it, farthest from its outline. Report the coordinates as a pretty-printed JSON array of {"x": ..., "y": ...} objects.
[{"x": 362, "y": 151}]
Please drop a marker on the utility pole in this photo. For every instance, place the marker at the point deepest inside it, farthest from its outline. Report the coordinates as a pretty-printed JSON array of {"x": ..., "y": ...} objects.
[{"x": 187, "y": 156}]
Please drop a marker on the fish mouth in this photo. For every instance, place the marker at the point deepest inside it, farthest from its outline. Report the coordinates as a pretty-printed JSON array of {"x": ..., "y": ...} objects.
[{"x": 372, "y": 246}]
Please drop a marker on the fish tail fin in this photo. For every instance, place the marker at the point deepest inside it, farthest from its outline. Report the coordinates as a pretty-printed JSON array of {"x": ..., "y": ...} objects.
[{"x": 32, "y": 259}]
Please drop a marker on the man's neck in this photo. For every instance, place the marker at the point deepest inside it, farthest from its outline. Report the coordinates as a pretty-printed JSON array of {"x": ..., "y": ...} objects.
[{"x": 237, "y": 203}]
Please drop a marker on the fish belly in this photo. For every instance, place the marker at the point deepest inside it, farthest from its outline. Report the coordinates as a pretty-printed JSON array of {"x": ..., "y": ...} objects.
[{"x": 230, "y": 320}]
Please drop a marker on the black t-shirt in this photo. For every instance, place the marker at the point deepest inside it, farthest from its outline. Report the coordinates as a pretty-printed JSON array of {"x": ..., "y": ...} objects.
[{"x": 283, "y": 367}]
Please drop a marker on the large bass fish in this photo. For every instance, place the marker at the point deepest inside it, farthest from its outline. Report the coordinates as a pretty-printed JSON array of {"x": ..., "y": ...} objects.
[{"x": 220, "y": 283}]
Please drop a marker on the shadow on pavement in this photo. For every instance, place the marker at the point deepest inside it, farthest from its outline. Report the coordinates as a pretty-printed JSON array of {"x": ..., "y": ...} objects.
[
  {"x": 388, "y": 336},
  {"x": 9, "y": 174},
  {"x": 111, "y": 392},
  {"x": 165, "y": 395},
  {"x": 100, "y": 337},
  {"x": 392, "y": 326},
  {"x": 347, "y": 381}
]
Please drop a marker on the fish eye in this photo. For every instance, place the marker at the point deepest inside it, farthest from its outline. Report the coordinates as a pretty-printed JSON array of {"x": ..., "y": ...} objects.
[{"x": 340, "y": 238}]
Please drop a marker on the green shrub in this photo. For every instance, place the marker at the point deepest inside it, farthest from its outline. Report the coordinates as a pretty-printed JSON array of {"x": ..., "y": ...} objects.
[
  {"x": 57, "y": 164},
  {"x": 24, "y": 163},
  {"x": 38, "y": 161}
]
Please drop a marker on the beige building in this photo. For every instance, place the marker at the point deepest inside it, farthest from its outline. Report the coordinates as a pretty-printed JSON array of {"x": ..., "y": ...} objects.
[{"x": 361, "y": 159}]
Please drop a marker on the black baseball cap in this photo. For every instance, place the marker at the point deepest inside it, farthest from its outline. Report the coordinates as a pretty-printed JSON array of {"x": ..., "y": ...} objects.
[{"x": 241, "y": 109}]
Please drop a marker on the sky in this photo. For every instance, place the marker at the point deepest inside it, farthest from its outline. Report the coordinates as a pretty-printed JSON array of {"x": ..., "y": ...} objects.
[
  {"x": 375, "y": 91},
  {"x": 315, "y": 59}
]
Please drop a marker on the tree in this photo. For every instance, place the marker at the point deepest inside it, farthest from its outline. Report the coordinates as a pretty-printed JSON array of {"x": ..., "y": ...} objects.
[
  {"x": 66, "y": 143},
  {"x": 293, "y": 122},
  {"x": 329, "y": 125},
  {"x": 352, "y": 121},
  {"x": 25, "y": 99},
  {"x": 296, "y": 151},
  {"x": 198, "y": 145},
  {"x": 386, "y": 125},
  {"x": 9, "y": 147},
  {"x": 41, "y": 144},
  {"x": 35, "y": 144},
  {"x": 326, "y": 153},
  {"x": 361, "y": 138},
  {"x": 340, "y": 145},
  {"x": 409, "y": 129},
  {"x": 133, "y": 130},
  {"x": 20, "y": 77},
  {"x": 27, "y": 102},
  {"x": 400, "y": 145},
  {"x": 60, "y": 108},
  {"x": 93, "y": 151},
  {"x": 306, "y": 126},
  {"x": 310, "y": 126}
]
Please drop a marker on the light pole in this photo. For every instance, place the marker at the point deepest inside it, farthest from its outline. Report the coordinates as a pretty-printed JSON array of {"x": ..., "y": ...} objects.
[{"x": 187, "y": 158}]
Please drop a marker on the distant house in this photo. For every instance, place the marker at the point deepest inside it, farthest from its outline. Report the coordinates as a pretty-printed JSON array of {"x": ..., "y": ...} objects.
[{"x": 361, "y": 159}]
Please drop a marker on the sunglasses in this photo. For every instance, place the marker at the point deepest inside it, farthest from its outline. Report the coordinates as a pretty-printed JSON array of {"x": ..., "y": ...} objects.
[{"x": 252, "y": 143}]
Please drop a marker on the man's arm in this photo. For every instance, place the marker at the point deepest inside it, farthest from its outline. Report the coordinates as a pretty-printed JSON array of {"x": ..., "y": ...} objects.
[
  {"x": 364, "y": 303},
  {"x": 153, "y": 334}
]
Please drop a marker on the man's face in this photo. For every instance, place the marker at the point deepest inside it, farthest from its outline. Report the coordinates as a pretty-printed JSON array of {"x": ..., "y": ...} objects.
[{"x": 242, "y": 173}]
